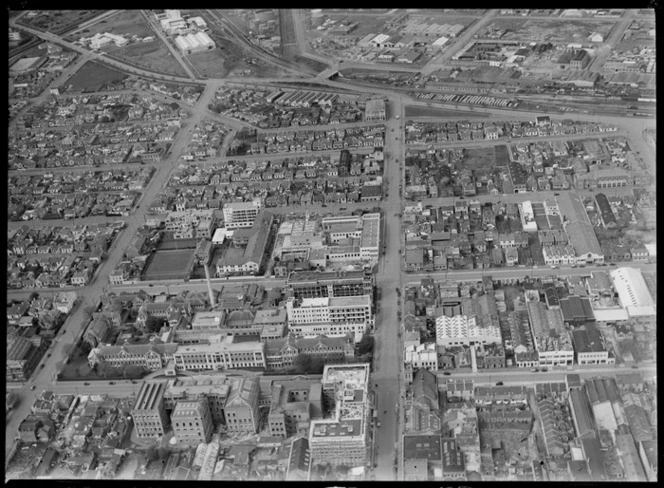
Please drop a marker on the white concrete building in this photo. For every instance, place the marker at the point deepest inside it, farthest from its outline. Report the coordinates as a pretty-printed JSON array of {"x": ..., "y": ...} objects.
[
  {"x": 241, "y": 214},
  {"x": 194, "y": 43},
  {"x": 634, "y": 294},
  {"x": 527, "y": 216},
  {"x": 331, "y": 316},
  {"x": 422, "y": 356},
  {"x": 225, "y": 354},
  {"x": 462, "y": 330}
]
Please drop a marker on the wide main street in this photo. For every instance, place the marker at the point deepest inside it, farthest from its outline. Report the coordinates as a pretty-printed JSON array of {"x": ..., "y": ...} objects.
[{"x": 387, "y": 378}]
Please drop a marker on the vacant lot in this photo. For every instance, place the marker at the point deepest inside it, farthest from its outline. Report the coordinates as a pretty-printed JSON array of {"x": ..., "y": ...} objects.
[
  {"x": 93, "y": 77},
  {"x": 210, "y": 64},
  {"x": 153, "y": 56},
  {"x": 58, "y": 21},
  {"x": 414, "y": 111},
  {"x": 129, "y": 22},
  {"x": 480, "y": 158},
  {"x": 169, "y": 265}
]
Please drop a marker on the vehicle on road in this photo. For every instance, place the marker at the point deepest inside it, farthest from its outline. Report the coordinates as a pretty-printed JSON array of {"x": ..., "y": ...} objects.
[
  {"x": 447, "y": 373},
  {"x": 86, "y": 384},
  {"x": 111, "y": 382},
  {"x": 33, "y": 387},
  {"x": 342, "y": 208},
  {"x": 323, "y": 205},
  {"x": 500, "y": 383},
  {"x": 534, "y": 370},
  {"x": 612, "y": 264},
  {"x": 554, "y": 267},
  {"x": 545, "y": 369},
  {"x": 378, "y": 424}
]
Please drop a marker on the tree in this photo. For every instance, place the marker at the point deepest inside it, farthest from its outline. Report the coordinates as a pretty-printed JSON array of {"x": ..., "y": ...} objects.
[
  {"x": 317, "y": 365},
  {"x": 153, "y": 324},
  {"x": 302, "y": 363},
  {"x": 365, "y": 345}
]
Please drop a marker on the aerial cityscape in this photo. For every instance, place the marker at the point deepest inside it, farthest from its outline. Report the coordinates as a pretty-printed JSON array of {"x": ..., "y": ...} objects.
[{"x": 335, "y": 245}]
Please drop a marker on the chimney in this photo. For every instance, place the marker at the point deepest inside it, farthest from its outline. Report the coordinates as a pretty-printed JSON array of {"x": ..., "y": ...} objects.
[{"x": 209, "y": 286}]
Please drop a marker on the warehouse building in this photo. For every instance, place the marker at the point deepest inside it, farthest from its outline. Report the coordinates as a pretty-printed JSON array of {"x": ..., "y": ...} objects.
[{"x": 194, "y": 43}]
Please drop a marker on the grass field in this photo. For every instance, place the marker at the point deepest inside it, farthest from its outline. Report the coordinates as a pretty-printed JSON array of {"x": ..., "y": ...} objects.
[
  {"x": 478, "y": 158},
  {"x": 414, "y": 111},
  {"x": 93, "y": 77},
  {"x": 169, "y": 265},
  {"x": 153, "y": 56},
  {"x": 58, "y": 21},
  {"x": 210, "y": 64},
  {"x": 129, "y": 22}
]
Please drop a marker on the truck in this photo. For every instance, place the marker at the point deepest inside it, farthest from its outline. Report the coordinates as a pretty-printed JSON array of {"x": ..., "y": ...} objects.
[{"x": 11, "y": 400}]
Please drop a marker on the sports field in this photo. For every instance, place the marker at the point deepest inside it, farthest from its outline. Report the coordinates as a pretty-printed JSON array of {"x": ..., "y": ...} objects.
[{"x": 169, "y": 265}]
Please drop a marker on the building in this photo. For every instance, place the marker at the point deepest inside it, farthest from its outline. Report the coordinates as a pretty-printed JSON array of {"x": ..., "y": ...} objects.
[
  {"x": 423, "y": 356},
  {"x": 462, "y": 330},
  {"x": 552, "y": 341},
  {"x": 241, "y": 214},
  {"x": 199, "y": 42},
  {"x": 582, "y": 416},
  {"x": 251, "y": 259},
  {"x": 22, "y": 359},
  {"x": 299, "y": 460},
  {"x": 576, "y": 310},
  {"x": 579, "y": 229},
  {"x": 152, "y": 356},
  {"x": 589, "y": 346},
  {"x": 648, "y": 456},
  {"x": 317, "y": 284},
  {"x": 421, "y": 454},
  {"x": 527, "y": 216},
  {"x": 222, "y": 354},
  {"x": 604, "y": 210},
  {"x": 454, "y": 467},
  {"x": 149, "y": 414},
  {"x": 375, "y": 110},
  {"x": 279, "y": 354},
  {"x": 342, "y": 439},
  {"x": 242, "y": 406},
  {"x": 634, "y": 295},
  {"x": 330, "y": 316},
  {"x": 192, "y": 422},
  {"x": 293, "y": 405},
  {"x": 579, "y": 60},
  {"x": 365, "y": 227},
  {"x": 214, "y": 389}
]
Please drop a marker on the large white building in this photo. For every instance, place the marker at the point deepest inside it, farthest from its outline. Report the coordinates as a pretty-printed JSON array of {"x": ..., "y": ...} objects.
[
  {"x": 527, "y": 216},
  {"x": 343, "y": 438},
  {"x": 462, "y": 330},
  {"x": 225, "y": 354},
  {"x": 634, "y": 294},
  {"x": 171, "y": 20},
  {"x": 366, "y": 228},
  {"x": 194, "y": 43},
  {"x": 422, "y": 356},
  {"x": 241, "y": 214},
  {"x": 331, "y": 316}
]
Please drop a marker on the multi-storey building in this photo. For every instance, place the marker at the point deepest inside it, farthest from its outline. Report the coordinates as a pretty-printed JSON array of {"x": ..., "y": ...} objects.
[
  {"x": 192, "y": 422},
  {"x": 293, "y": 405},
  {"x": 22, "y": 359},
  {"x": 225, "y": 354},
  {"x": 552, "y": 341},
  {"x": 242, "y": 406},
  {"x": 149, "y": 356},
  {"x": 212, "y": 388},
  {"x": 366, "y": 228},
  {"x": 149, "y": 414},
  {"x": 241, "y": 214},
  {"x": 422, "y": 356},
  {"x": 330, "y": 316},
  {"x": 316, "y": 284},
  {"x": 280, "y": 353},
  {"x": 343, "y": 438},
  {"x": 463, "y": 330},
  {"x": 199, "y": 223}
]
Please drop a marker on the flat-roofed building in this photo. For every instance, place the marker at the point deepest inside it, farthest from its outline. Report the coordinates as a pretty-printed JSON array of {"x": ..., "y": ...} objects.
[
  {"x": 589, "y": 346},
  {"x": 314, "y": 284},
  {"x": 212, "y": 388},
  {"x": 241, "y": 214},
  {"x": 366, "y": 228},
  {"x": 576, "y": 310},
  {"x": 293, "y": 405},
  {"x": 330, "y": 316},
  {"x": 375, "y": 109},
  {"x": 149, "y": 415},
  {"x": 194, "y": 43},
  {"x": 192, "y": 422},
  {"x": 343, "y": 438}
]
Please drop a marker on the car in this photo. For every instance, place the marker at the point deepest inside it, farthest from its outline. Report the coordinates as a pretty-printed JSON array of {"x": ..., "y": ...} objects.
[
  {"x": 582, "y": 265},
  {"x": 500, "y": 383},
  {"x": 133, "y": 382},
  {"x": 554, "y": 267},
  {"x": 33, "y": 387},
  {"x": 378, "y": 424},
  {"x": 612, "y": 264},
  {"x": 342, "y": 208},
  {"x": 111, "y": 382},
  {"x": 48, "y": 355},
  {"x": 323, "y": 205},
  {"x": 556, "y": 194},
  {"x": 545, "y": 369},
  {"x": 42, "y": 365},
  {"x": 86, "y": 384},
  {"x": 447, "y": 373},
  {"x": 635, "y": 367}
]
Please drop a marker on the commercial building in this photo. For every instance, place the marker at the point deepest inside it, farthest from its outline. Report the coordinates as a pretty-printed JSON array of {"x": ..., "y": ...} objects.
[
  {"x": 422, "y": 454},
  {"x": 629, "y": 456},
  {"x": 603, "y": 394},
  {"x": 149, "y": 414},
  {"x": 576, "y": 310},
  {"x": 22, "y": 359},
  {"x": 552, "y": 341},
  {"x": 186, "y": 224},
  {"x": 199, "y": 42},
  {"x": 192, "y": 422},
  {"x": 462, "y": 330},
  {"x": 343, "y": 438},
  {"x": 375, "y": 110},
  {"x": 454, "y": 467},
  {"x": 242, "y": 406},
  {"x": 330, "y": 316},
  {"x": 293, "y": 405},
  {"x": 579, "y": 229},
  {"x": 241, "y": 214},
  {"x": 224, "y": 354},
  {"x": 317, "y": 284},
  {"x": 366, "y": 228},
  {"x": 299, "y": 460},
  {"x": 634, "y": 295},
  {"x": 423, "y": 356},
  {"x": 589, "y": 346}
]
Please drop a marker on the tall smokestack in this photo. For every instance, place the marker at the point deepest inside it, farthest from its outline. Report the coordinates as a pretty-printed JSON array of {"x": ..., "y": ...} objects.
[{"x": 209, "y": 286}]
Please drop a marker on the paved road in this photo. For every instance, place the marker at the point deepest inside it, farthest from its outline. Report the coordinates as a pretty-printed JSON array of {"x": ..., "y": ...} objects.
[
  {"x": 519, "y": 272},
  {"x": 152, "y": 22}
]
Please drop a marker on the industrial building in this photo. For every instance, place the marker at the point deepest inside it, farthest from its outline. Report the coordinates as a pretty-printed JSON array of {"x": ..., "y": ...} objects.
[
  {"x": 634, "y": 295},
  {"x": 462, "y": 330},
  {"x": 194, "y": 43},
  {"x": 552, "y": 341}
]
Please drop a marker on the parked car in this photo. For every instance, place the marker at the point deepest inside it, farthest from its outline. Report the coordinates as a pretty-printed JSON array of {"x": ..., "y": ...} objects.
[
  {"x": 500, "y": 383},
  {"x": 447, "y": 373}
]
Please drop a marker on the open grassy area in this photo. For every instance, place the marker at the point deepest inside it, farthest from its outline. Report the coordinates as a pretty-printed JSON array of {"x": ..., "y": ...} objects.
[
  {"x": 169, "y": 265},
  {"x": 210, "y": 64},
  {"x": 93, "y": 77},
  {"x": 58, "y": 21},
  {"x": 478, "y": 158},
  {"x": 129, "y": 22},
  {"x": 154, "y": 56}
]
